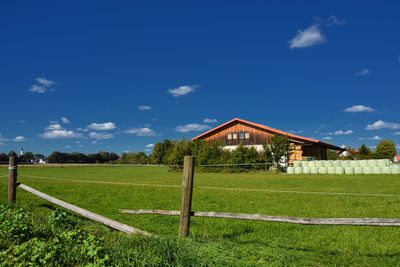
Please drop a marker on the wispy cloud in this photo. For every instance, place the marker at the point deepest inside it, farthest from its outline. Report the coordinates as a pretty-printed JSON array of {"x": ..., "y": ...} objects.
[
  {"x": 20, "y": 138},
  {"x": 56, "y": 131},
  {"x": 150, "y": 146},
  {"x": 333, "y": 20},
  {"x": 144, "y": 108},
  {"x": 396, "y": 133},
  {"x": 327, "y": 138},
  {"x": 145, "y": 131},
  {"x": 105, "y": 126},
  {"x": 100, "y": 136},
  {"x": 341, "y": 132},
  {"x": 181, "y": 90},
  {"x": 374, "y": 138},
  {"x": 383, "y": 125},
  {"x": 65, "y": 120},
  {"x": 359, "y": 108},
  {"x": 42, "y": 86},
  {"x": 192, "y": 127},
  {"x": 295, "y": 131},
  {"x": 207, "y": 120},
  {"x": 309, "y": 37},
  {"x": 363, "y": 72}
]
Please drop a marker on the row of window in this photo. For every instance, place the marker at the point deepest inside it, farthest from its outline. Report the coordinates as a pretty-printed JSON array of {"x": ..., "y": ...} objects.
[{"x": 240, "y": 135}]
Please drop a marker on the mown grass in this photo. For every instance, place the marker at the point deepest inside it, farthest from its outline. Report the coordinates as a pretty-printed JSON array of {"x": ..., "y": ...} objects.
[{"x": 231, "y": 242}]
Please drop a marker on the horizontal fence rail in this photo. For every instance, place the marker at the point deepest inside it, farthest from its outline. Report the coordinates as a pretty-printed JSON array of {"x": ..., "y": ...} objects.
[
  {"x": 267, "y": 218},
  {"x": 85, "y": 213}
]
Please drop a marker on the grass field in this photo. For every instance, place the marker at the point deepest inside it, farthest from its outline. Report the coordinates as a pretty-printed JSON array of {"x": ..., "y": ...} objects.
[{"x": 104, "y": 190}]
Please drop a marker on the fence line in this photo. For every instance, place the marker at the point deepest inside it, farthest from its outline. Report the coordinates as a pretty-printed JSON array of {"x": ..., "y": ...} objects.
[
  {"x": 221, "y": 188},
  {"x": 268, "y": 218}
]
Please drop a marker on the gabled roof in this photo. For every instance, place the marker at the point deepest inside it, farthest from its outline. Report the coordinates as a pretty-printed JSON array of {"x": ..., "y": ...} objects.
[
  {"x": 269, "y": 129},
  {"x": 398, "y": 157}
]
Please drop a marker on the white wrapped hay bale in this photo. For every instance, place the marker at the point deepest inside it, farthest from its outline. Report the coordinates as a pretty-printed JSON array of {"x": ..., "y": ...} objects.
[
  {"x": 386, "y": 170},
  {"x": 319, "y": 163},
  {"x": 395, "y": 169},
  {"x": 306, "y": 170},
  {"x": 331, "y": 170},
  {"x": 363, "y": 163},
  {"x": 377, "y": 170},
  {"x": 304, "y": 163},
  {"x": 354, "y": 163},
  {"x": 372, "y": 163},
  {"x": 345, "y": 163},
  {"x": 367, "y": 170},
  {"x": 328, "y": 163},
  {"x": 290, "y": 170},
  {"x": 297, "y": 163},
  {"x": 381, "y": 163},
  {"x": 349, "y": 170},
  {"x": 337, "y": 163},
  {"x": 311, "y": 164},
  {"x": 358, "y": 170},
  {"x": 322, "y": 170},
  {"x": 314, "y": 170},
  {"x": 339, "y": 170},
  {"x": 298, "y": 170}
]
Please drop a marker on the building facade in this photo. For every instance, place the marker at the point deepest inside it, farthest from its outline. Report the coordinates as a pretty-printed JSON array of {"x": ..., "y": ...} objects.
[{"x": 238, "y": 131}]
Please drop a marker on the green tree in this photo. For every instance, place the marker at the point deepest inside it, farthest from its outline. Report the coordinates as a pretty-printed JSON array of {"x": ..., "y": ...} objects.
[
  {"x": 276, "y": 149},
  {"x": 332, "y": 155},
  {"x": 385, "y": 149},
  {"x": 161, "y": 152},
  {"x": 364, "y": 152}
]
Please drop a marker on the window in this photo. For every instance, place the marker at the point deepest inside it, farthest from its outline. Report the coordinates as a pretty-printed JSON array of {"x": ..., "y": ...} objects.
[
  {"x": 246, "y": 135},
  {"x": 229, "y": 136},
  {"x": 234, "y": 136},
  {"x": 241, "y": 135}
]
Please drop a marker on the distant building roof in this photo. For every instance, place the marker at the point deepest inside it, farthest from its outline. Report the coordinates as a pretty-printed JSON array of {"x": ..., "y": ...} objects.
[
  {"x": 398, "y": 157},
  {"x": 270, "y": 129}
]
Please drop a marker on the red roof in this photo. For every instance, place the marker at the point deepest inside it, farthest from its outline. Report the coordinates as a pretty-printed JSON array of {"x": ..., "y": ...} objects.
[
  {"x": 270, "y": 129},
  {"x": 398, "y": 157}
]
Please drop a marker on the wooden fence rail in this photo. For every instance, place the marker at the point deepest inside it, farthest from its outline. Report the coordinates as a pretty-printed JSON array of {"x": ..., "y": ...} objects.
[{"x": 267, "y": 218}]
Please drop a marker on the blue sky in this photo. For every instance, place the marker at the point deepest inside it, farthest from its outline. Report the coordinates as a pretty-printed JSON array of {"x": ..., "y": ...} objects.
[{"x": 122, "y": 75}]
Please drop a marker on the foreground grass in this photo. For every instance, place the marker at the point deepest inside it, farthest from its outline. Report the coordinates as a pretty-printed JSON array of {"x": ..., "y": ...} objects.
[{"x": 230, "y": 242}]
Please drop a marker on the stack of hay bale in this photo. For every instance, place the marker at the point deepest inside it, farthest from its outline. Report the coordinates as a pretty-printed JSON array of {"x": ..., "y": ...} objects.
[{"x": 370, "y": 166}]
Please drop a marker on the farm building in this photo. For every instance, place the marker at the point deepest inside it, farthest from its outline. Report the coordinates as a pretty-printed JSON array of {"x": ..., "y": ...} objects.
[{"x": 238, "y": 131}]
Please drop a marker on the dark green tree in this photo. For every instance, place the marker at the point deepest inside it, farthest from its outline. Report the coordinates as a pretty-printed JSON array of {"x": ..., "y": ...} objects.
[
  {"x": 277, "y": 149},
  {"x": 161, "y": 152},
  {"x": 364, "y": 152},
  {"x": 385, "y": 149}
]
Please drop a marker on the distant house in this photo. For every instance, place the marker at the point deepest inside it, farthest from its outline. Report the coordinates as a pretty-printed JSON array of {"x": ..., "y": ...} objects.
[
  {"x": 396, "y": 158},
  {"x": 238, "y": 131}
]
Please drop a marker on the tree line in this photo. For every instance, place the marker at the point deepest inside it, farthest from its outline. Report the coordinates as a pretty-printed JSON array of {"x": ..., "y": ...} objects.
[{"x": 385, "y": 149}]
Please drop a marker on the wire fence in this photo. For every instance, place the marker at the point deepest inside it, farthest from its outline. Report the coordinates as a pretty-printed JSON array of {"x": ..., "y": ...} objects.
[{"x": 232, "y": 168}]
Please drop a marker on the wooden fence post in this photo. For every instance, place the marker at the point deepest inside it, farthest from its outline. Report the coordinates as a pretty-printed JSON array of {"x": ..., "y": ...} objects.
[
  {"x": 187, "y": 189},
  {"x": 12, "y": 180}
]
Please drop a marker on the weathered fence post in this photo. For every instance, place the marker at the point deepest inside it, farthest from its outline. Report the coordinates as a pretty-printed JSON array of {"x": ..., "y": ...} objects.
[
  {"x": 187, "y": 189},
  {"x": 12, "y": 180}
]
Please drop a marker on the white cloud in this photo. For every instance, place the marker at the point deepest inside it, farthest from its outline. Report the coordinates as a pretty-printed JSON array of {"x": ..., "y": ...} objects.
[
  {"x": 42, "y": 86},
  {"x": 397, "y": 133},
  {"x": 67, "y": 146},
  {"x": 383, "y": 125},
  {"x": 340, "y": 132},
  {"x": 374, "y": 138},
  {"x": 100, "y": 136},
  {"x": 327, "y": 138},
  {"x": 333, "y": 20},
  {"x": 363, "y": 72},
  {"x": 207, "y": 120},
  {"x": 359, "y": 108},
  {"x": 144, "y": 108},
  {"x": 309, "y": 37},
  {"x": 1, "y": 144},
  {"x": 19, "y": 139},
  {"x": 181, "y": 90},
  {"x": 295, "y": 131},
  {"x": 150, "y": 146},
  {"x": 192, "y": 127},
  {"x": 65, "y": 120},
  {"x": 145, "y": 131},
  {"x": 106, "y": 126},
  {"x": 56, "y": 131}
]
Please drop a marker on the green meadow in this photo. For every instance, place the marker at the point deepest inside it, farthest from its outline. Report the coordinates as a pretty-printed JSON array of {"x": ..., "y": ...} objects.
[{"x": 105, "y": 189}]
